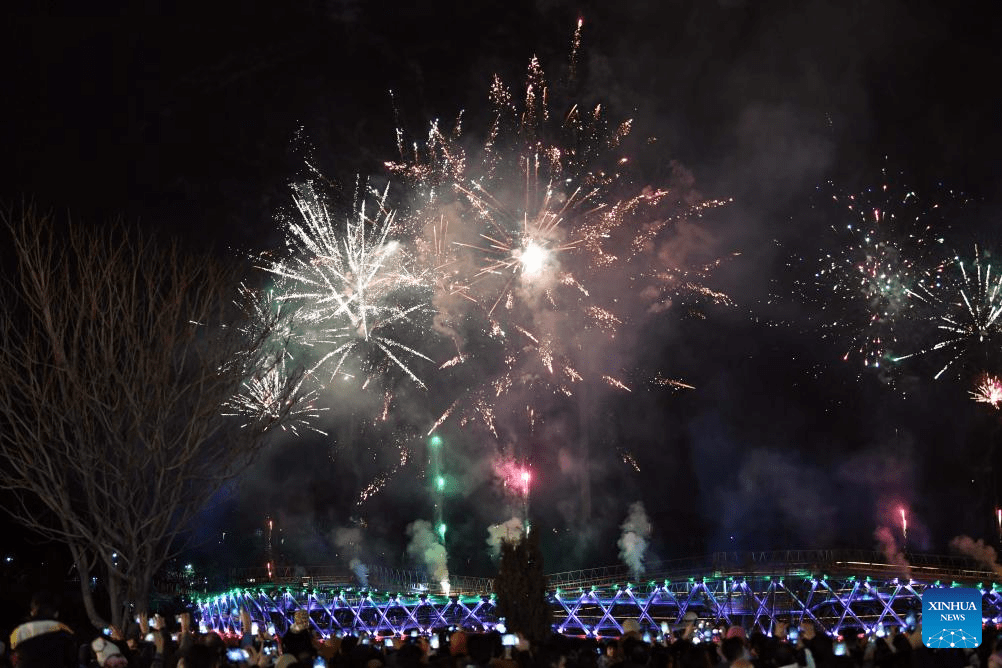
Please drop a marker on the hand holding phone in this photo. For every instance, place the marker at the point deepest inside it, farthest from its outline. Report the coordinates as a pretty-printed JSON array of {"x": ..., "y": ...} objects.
[{"x": 237, "y": 655}]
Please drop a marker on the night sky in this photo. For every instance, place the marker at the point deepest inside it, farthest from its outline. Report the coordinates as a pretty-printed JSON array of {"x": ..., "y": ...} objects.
[{"x": 185, "y": 120}]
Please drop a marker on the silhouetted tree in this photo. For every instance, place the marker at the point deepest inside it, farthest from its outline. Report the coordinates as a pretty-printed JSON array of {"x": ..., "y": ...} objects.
[
  {"x": 120, "y": 362},
  {"x": 521, "y": 586}
]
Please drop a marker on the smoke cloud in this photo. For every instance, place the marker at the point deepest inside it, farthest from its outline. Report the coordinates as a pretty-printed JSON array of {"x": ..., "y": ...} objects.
[
  {"x": 348, "y": 540},
  {"x": 511, "y": 531},
  {"x": 361, "y": 572},
  {"x": 889, "y": 546},
  {"x": 425, "y": 548},
  {"x": 977, "y": 550},
  {"x": 633, "y": 541}
]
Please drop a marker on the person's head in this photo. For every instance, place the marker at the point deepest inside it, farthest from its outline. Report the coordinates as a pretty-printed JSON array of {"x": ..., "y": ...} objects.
[
  {"x": 348, "y": 643},
  {"x": 200, "y": 656},
  {"x": 479, "y": 649},
  {"x": 693, "y": 656},
  {"x": 44, "y": 605},
  {"x": 732, "y": 648},
  {"x": 409, "y": 656},
  {"x": 785, "y": 655},
  {"x": 457, "y": 643},
  {"x": 108, "y": 654},
  {"x": 631, "y": 627},
  {"x": 758, "y": 645},
  {"x": 636, "y": 650},
  {"x": 132, "y": 636}
]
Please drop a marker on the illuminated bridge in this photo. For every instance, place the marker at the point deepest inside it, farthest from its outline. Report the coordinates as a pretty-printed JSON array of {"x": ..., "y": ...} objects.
[{"x": 837, "y": 590}]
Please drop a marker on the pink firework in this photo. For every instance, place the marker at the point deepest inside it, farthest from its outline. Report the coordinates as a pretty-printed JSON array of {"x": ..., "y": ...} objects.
[
  {"x": 988, "y": 391},
  {"x": 515, "y": 477}
]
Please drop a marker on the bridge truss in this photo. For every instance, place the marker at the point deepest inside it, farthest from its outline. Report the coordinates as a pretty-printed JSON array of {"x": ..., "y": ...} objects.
[{"x": 837, "y": 594}]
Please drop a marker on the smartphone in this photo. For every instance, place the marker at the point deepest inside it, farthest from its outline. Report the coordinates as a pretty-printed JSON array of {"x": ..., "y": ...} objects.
[
  {"x": 149, "y": 637},
  {"x": 365, "y": 640},
  {"x": 647, "y": 637},
  {"x": 153, "y": 622},
  {"x": 237, "y": 655},
  {"x": 271, "y": 629},
  {"x": 434, "y": 641},
  {"x": 793, "y": 634},
  {"x": 254, "y": 628},
  {"x": 509, "y": 640},
  {"x": 319, "y": 662},
  {"x": 106, "y": 632},
  {"x": 388, "y": 643},
  {"x": 840, "y": 649},
  {"x": 413, "y": 633},
  {"x": 269, "y": 648}
]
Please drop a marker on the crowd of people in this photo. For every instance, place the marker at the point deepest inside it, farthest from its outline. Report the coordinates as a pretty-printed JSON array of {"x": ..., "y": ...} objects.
[{"x": 42, "y": 641}]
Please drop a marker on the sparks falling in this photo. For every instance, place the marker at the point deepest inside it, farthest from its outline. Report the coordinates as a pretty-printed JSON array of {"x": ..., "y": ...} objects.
[{"x": 904, "y": 523}]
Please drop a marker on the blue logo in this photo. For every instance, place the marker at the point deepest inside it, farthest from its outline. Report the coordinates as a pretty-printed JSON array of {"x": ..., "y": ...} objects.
[{"x": 951, "y": 617}]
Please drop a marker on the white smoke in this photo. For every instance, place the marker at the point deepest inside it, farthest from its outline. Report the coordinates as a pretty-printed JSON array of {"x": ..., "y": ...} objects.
[
  {"x": 889, "y": 546},
  {"x": 976, "y": 549},
  {"x": 361, "y": 572},
  {"x": 349, "y": 542},
  {"x": 512, "y": 531},
  {"x": 633, "y": 541},
  {"x": 425, "y": 548}
]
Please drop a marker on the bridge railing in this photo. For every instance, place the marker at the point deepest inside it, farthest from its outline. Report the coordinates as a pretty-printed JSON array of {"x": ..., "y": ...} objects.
[{"x": 717, "y": 564}]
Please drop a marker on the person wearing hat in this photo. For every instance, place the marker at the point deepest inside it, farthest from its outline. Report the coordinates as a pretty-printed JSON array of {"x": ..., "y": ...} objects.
[
  {"x": 43, "y": 641},
  {"x": 108, "y": 654}
]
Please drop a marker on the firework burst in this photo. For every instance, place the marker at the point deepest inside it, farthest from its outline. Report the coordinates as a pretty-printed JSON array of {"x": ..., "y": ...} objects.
[
  {"x": 963, "y": 302},
  {"x": 265, "y": 397},
  {"x": 530, "y": 239},
  {"x": 988, "y": 391},
  {"x": 887, "y": 239},
  {"x": 352, "y": 287}
]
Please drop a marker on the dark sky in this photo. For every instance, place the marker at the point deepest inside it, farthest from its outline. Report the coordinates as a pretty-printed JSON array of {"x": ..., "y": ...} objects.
[{"x": 183, "y": 117}]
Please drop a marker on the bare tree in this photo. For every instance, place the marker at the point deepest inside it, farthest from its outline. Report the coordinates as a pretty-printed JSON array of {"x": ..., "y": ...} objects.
[{"x": 118, "y": 358}]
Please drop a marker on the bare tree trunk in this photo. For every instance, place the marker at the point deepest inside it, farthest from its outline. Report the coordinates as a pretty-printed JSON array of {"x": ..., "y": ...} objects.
[
  {"x": 121, "y": 440},
  {"x": 83, "y": 565}
]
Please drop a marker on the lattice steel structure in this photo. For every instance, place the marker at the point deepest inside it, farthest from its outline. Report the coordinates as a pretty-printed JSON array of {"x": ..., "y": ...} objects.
[{"x": 835, "y": 593}]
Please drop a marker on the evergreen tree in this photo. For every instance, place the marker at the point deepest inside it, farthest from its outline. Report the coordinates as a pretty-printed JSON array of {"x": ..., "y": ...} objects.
[{"x": 521, "y": 586}]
